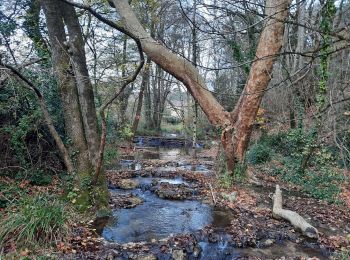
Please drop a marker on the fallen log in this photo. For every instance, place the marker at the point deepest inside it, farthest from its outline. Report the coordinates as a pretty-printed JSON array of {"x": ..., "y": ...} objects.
[{"x": 294, "y": 218}]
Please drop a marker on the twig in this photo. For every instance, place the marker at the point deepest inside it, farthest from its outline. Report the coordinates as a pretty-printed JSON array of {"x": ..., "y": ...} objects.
[{"x": 212, "y": 193}]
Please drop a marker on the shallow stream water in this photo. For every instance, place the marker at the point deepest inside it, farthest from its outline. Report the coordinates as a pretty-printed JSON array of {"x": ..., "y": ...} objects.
[{"x": 158, "y": 218}]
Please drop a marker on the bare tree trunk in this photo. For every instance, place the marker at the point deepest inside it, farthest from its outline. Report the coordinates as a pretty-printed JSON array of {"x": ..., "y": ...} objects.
[
  {"x": 270, "y": 43},
  {"x": 298, "y": 62},
  {"x": 144, "y": 84},
  {"x": 194, "y": 60},
  {"x": 124, "y": 96},
  {"x": 194, "y": 134},
  {"x": 148, "y": 106},
  {"x": 69, "y": 94}
]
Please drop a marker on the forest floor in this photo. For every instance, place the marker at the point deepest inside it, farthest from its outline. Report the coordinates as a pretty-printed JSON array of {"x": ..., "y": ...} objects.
[{"x": 168, "y": 205}]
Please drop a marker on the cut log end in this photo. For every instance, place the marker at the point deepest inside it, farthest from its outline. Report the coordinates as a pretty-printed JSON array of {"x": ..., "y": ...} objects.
[{"x": 294, "y": 218}]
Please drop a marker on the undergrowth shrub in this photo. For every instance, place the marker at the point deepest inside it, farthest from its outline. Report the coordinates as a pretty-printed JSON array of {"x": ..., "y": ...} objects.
[
  {"x": 226, "y": 178},
  {"x": 323, "y": 184},
  {"x": 9, "y": 194},
  {"x": 240, "y": 172},
  {"x": 342, "y": 254},
  {"x": 320, "y": 179},
  {"x": 274, "y": 141},
  {"x": 39, "y": 177},
  {"x": 41, "y": 219},
  {"x": 111, "y": 153},
  {"x": 125, "y": 132},
  {"x": 259, "y": 153}
]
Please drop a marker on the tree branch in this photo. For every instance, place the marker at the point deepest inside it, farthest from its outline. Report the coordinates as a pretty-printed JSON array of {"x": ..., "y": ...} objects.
[
  {"x": 127, "y": 81},
  {"x": 61, "y": 147}
]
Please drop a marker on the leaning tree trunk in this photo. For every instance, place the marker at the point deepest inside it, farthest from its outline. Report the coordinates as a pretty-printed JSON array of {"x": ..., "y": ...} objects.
[
  {"x": 270, "y": 43},
  {"x": 71, "y": 109}
]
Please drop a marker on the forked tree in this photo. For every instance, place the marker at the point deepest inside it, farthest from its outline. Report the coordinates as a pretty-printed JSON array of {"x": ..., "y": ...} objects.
[{"x": 236, "y": 125}]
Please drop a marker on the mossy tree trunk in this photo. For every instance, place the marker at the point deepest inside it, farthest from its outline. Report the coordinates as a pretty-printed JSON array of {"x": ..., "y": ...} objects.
[{"x": 76, "y": 103}]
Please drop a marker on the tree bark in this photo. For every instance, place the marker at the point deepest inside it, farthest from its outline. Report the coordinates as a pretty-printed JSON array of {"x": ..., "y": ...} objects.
[
  {"x": 144, "y": 84},
  {"x": 194, "y": 61},
  {"x": 85, "y": 91},
  {"x": 88, "y": 196},
  {"x": 69, "y": 95}
]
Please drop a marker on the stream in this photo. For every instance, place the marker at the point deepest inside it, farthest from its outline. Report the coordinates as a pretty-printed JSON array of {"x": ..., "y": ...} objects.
[{"x": 168, "y": 205}]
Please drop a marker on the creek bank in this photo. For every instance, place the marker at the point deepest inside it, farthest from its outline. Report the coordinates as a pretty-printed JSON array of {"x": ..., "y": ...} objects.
[{"x": 241, "y": 225}]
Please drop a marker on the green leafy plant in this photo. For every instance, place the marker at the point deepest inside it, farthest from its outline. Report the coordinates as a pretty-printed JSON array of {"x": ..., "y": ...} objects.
[
  {"x": 342, "y": 254},
  {"x": 111, "y": 153},
  {"x": 239, "y": 173},
  {"x": 323, "y": 184},
  {"x": 39, "y": 177},
  {"x": 10, "y": 193},
  {"x": 319, "y": 179},
  {"x": 225, "y": 180},
  {"x": 125, "y": 132}
]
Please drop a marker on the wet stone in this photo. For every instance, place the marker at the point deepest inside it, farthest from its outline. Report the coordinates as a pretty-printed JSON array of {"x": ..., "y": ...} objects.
[
  {"x": 179, "y": 254},
  {"x": 145, "y": 257},
  {"x": 196, "y": 251},
  {"x": 213, "y": 238},
  {"x": 173, "y": 191},
  {"x": 267, "y": 243},
  {"x": 124, "y": 201},
  {"x": 127, "y": 184},
  {"x": 113, "y": 254}
]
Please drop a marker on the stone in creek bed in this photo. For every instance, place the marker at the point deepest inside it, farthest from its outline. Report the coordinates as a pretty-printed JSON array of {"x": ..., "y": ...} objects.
[
  {"x": 125, "y": 201},
  {"x": 173, "y": 191},
  {"x": 145, "y": 257},
  {"x": 127, "y": 184},
  {"x": 268, "y": 242},
  {"x": 179, "y": 254}
]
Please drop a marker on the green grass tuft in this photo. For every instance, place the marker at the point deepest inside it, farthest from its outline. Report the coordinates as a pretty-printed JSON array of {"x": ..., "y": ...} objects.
[{"x": 41, "y": 219}]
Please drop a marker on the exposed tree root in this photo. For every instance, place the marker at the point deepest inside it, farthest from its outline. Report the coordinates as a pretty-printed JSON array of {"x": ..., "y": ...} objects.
[{"x": 294, "y": 218}]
